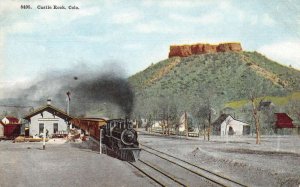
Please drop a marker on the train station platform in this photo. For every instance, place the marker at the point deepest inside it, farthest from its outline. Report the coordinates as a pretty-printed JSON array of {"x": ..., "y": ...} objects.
[{"x": 68, "y": 164}]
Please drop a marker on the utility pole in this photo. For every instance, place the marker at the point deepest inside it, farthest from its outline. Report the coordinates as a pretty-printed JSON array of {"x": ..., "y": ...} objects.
[
  {"x": 68, "y": 101},
  {"x": 209, "y": 122},
  {"x": 186, "y": 125},
  {"x": 100, "y": 141},
  {"x": 68, "y": 105}
]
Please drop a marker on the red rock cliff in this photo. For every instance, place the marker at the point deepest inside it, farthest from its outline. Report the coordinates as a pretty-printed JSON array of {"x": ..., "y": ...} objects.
[{"x": 195, "y": 49}]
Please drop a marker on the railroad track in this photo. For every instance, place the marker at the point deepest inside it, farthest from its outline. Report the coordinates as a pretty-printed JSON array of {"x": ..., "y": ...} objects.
[
  {"x": 213, "y": 178},
  {"x": 160, "y": 177}
]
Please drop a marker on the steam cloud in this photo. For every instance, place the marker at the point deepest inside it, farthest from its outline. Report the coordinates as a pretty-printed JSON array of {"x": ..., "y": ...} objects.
[{"x": 89, "y": 87}]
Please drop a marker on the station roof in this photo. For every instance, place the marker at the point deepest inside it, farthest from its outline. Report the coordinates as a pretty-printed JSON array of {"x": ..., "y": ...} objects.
[{"x": 51, "y": 109}]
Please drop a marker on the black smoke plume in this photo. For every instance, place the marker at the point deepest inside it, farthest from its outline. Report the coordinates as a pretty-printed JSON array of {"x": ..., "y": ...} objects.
[
  {"x": 104, "y": 88},
  {"x": 89, "y": 88}
]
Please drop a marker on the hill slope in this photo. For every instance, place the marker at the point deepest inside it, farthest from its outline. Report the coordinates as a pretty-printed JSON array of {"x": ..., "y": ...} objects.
[{"x": 224, "y": 76}]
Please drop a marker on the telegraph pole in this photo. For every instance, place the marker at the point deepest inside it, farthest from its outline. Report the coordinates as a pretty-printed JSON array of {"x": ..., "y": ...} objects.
[
  {"x": 100, "y": 141},
  {"x": 68, "y": 102},
  {"x": 186, "y": 125}
]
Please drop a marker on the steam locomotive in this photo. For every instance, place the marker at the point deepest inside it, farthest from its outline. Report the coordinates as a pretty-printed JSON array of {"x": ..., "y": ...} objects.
[{"x": 117, "y": 134}]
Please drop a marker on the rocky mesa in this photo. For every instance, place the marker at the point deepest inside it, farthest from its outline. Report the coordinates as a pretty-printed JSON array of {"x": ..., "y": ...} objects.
[{"x": 201, "y": 48}]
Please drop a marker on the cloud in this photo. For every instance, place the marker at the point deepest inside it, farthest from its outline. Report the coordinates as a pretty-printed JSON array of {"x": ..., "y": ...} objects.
[
  {"x": 210, "y": 18},
  {"x": 267, "y": 20},
  {"x": 132, "y": 46},
  {"x": 21, "y": 27},
  {"x": 126, "y": 17},
  {"x": 153, "y": 27},
  {"x": 285, "y": 52},
  {"x": 182, "y": 4}
]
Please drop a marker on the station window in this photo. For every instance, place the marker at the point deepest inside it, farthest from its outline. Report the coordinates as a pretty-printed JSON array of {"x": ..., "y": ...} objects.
[
  {"x": 41, "y": 128},
  {"x": 55, "y": 127}
]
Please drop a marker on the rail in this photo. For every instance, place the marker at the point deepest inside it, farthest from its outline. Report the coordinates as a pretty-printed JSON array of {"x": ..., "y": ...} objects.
[
  {"x": 190, "y": 134},
  {"x": 209, "y": 175}
]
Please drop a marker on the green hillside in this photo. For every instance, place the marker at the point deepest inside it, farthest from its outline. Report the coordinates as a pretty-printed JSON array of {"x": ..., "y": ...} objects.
[{"x": 186, "y": 83}]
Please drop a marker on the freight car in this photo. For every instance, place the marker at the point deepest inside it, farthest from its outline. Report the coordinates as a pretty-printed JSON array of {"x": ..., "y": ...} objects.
[
  {"x": 118, "y": 135},
  {"x": 90, "y": 126}
]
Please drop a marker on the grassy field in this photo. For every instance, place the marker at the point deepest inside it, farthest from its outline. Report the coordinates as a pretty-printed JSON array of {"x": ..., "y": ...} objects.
[{"x": 277, "y": 100}]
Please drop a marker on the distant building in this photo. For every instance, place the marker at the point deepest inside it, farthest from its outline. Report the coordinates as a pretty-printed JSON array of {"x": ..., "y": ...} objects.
[
  {"x": 227, "y": 125},
  {"x": 266, "y": 105},
  {"x": 53, "y": 119},
  {"x": 10, "y": 127},
  {"x": 283, "y": 121}
]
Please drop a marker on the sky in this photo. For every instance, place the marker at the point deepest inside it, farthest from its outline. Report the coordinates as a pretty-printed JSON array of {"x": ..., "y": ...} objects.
[{"x": 136, "y": 33}]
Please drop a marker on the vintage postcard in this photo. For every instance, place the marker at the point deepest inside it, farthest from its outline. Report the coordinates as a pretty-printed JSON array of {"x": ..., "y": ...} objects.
[{"x": 149, "y": 93}]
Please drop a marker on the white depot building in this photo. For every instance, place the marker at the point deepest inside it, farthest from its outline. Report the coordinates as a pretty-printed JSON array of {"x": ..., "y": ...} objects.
[{"x": 53, "y": 119}]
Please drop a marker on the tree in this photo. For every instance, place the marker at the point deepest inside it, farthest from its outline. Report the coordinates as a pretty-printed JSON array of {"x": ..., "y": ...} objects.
[
  {"x": 168, "y": 113},
  {"x": 268, "y": 118},
  {"x": 254, "y": 90},
  {"x": 204, "y": 110},
  {"x": 204, "y": 113},
  {"x": 293, "y": 108},
  {"x": 173, "y": 116}
]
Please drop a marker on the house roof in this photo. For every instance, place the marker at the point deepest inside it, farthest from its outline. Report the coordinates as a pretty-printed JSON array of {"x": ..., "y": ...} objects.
[
  {"x": 222, "y": 118},
  {"x": 265, "y": 105},
  {"x": 7, "y": 124},
  {"x": 12, "y": 119},
  {"x": 283, "y": 121},
  {"x": 51, "y": 109}
]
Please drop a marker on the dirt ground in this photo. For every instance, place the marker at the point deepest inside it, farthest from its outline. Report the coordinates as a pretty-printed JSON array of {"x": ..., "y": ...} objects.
[
  {"x": 275, "y": 162},
  {"x": 63, "y": 164}
]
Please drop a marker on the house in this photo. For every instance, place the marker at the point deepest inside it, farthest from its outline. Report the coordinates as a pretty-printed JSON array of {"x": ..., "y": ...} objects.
[
  {"x": 283, "y": 121},
  {"x": 266, "y": 105},
  {"x": 10, "y": 127},
  {"x": 53, "y": 119},
  {"x": 227, "y": 125}
]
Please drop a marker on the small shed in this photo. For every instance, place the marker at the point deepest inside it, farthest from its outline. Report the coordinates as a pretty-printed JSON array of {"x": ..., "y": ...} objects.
[
  {"x": 11, "y": 127},
  {"x": 227, "y": 125},
  {"x": 283, "y": 121}
]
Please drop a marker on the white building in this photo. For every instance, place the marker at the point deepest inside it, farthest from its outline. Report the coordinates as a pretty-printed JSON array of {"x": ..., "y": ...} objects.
[
  {"x": 50, "y": 117},
  {"x": 227, "y": 125}
]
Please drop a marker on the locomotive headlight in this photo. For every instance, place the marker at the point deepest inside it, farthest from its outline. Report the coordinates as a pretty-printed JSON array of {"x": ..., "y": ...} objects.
[{"x": 127, "y": 137}]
